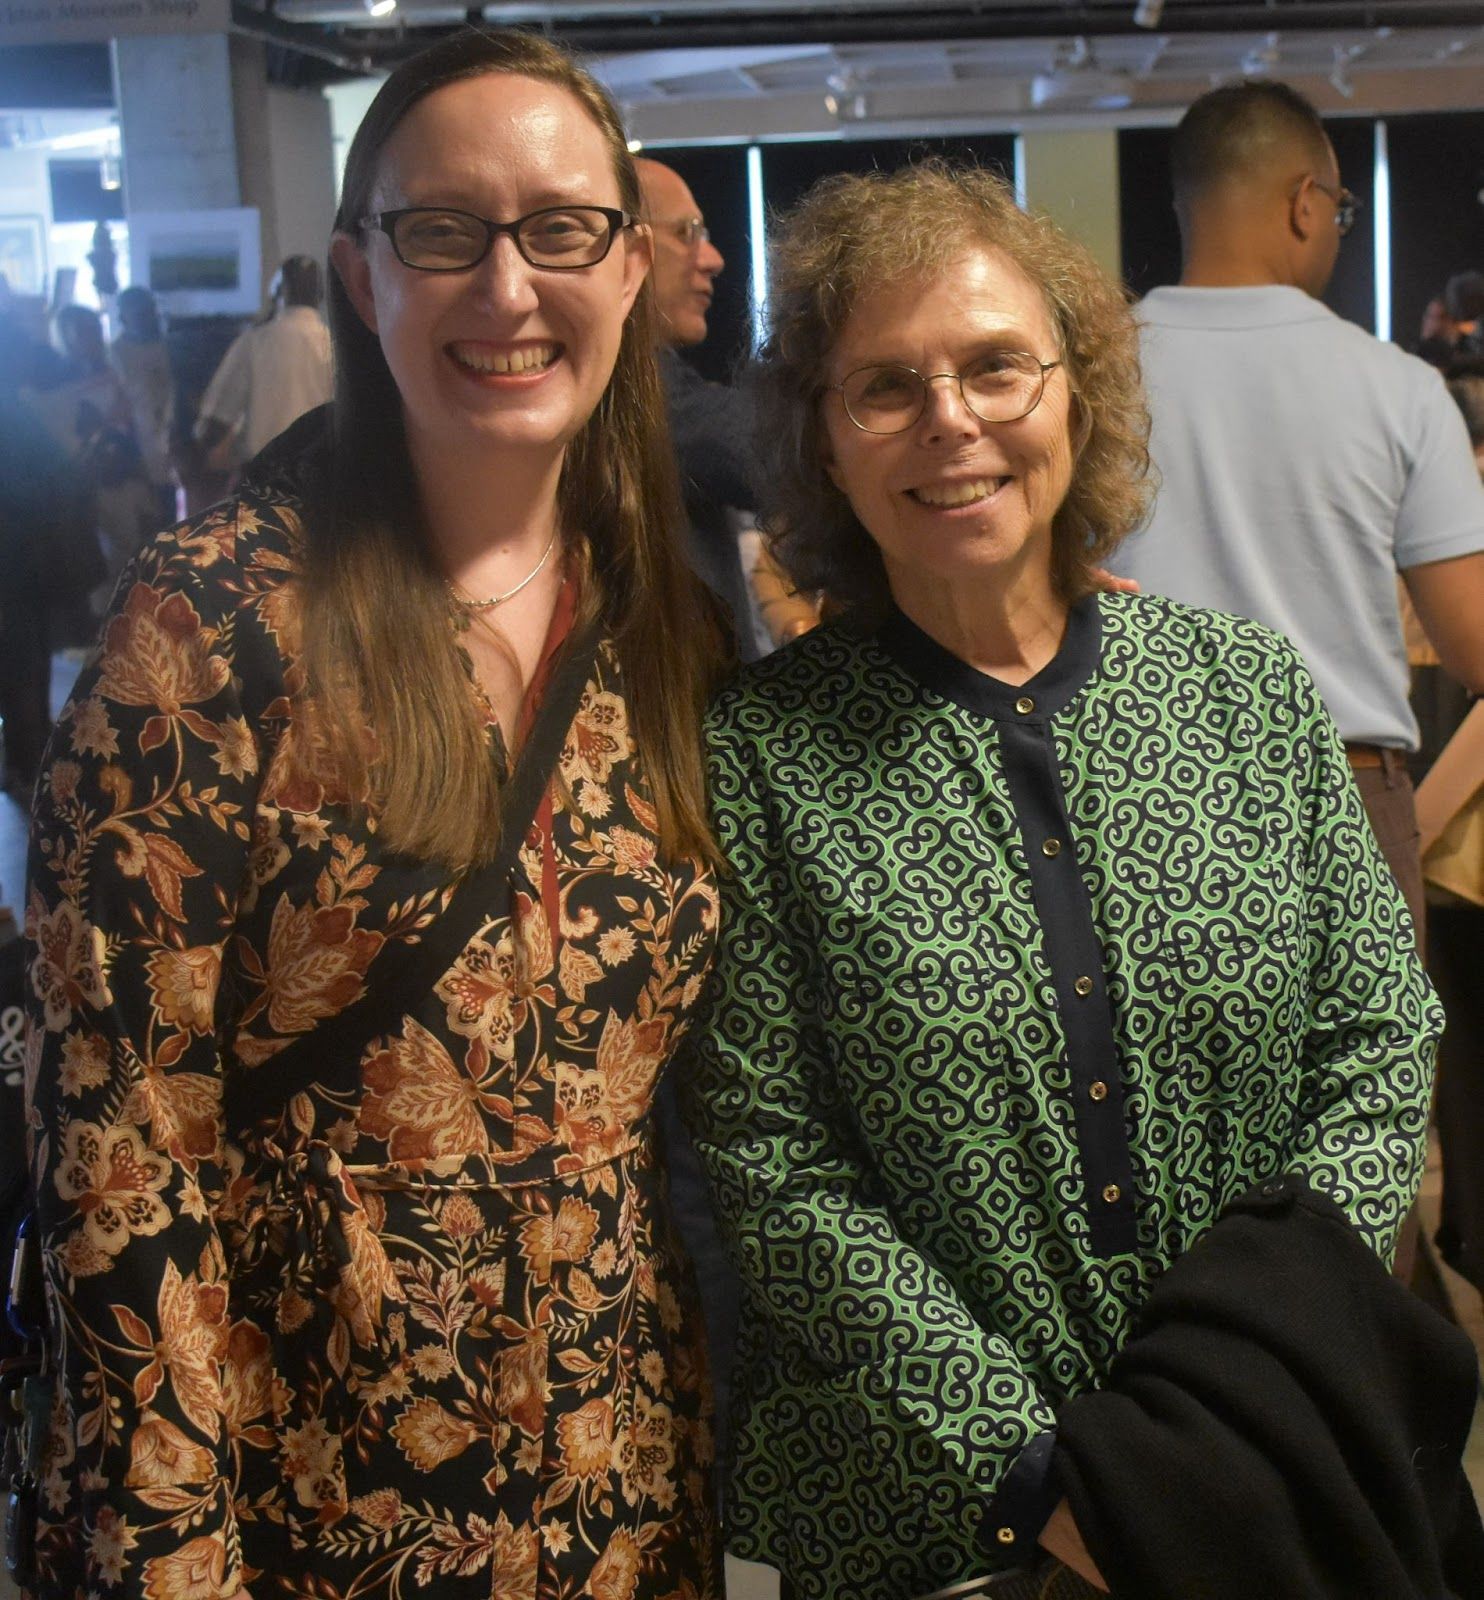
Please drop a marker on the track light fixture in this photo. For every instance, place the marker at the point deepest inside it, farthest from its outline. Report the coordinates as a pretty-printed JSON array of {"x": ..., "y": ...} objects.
[
  {"x": 845, "y": 99},
  {"x": 1261, "y": 59},
  {"x": 1339, "y": 73}
]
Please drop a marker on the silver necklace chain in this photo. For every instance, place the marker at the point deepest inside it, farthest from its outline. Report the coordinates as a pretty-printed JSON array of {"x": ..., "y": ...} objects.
[{"x": 510, "y": 594}]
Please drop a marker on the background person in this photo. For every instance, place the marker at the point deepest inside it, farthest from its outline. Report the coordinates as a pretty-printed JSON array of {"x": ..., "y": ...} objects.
[
  {"x": 1302, "y": 462},
  {"x": 1465, "y": 382},
  {"x": 78, "y": 398},
  {"x": 140, "y": 358},
  {"x": 42, "y": 514},
  {"x": 1057, "y": 961},
  {"x": 273, "y": 372},
  {"x": 1463, "y": 298},
  {"x": 384, "y": 798},
  {"x": 78, "y": 395},
  {"x": 711, "y": 424},
  {"x": 1435, "y": 334}
]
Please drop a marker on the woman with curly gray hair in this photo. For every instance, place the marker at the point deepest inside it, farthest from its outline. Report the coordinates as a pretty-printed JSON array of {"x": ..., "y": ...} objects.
[
  {"x": 1053, "y": 928},
  {"x": 858, "y": 233}
]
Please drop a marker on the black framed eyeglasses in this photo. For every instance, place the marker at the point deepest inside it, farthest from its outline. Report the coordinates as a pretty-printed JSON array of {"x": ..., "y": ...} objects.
[
  {"x": 1347, "y": 205},
  {"x": 556, "y": 238},
  {"x": 1001, "y": 386}
]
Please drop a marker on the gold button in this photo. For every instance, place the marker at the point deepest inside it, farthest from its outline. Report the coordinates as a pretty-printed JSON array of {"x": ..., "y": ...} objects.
[
  {"x": 1024, "y": 705},
  {"x": 1083, "y": 986},
  {"x": 1098, "y": 1091},
  {"x": 1112, "y": 1194},
  {"x": 1052, "y": 847},
  {"x": 1005, "y": 1535}
]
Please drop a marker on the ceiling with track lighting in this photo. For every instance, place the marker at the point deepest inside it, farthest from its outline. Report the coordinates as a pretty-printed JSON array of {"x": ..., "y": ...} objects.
[
  {"x": 980, "y": 83},
  {"x": 704, "y": 69},
  {"x": 688, "y": 71}
]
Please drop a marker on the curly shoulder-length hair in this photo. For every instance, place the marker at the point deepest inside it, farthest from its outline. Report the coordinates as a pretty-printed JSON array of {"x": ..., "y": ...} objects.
[{"x": 854, "y": 234}]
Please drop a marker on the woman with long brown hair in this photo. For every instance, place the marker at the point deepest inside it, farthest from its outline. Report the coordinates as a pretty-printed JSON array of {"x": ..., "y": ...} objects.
[{"x": 370, "y": 896}]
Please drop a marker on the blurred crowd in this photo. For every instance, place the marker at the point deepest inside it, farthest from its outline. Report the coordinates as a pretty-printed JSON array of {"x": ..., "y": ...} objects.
[
  {"x": 103, "y": 443},
  {"x": 1451, "y": 330}
]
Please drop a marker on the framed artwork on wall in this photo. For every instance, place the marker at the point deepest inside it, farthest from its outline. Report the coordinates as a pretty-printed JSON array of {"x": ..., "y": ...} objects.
[
  {"x": 23, "y": 254},
  {"x": 199, "y": 263}
]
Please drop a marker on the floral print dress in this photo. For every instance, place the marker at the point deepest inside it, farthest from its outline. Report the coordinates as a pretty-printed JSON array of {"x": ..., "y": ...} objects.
[{"x": 413, "y": 1324}]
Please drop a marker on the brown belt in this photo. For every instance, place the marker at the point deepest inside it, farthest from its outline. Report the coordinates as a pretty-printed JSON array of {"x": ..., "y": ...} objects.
[{"x": 1373, "y": 755}]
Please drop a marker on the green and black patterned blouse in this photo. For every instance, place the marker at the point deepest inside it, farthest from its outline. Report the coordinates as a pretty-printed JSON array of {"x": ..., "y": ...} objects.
[{"x": 1018, "y": 988}]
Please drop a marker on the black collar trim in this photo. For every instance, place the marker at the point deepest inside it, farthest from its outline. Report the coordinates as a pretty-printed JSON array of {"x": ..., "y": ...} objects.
[{"x": 926, "y": 661}]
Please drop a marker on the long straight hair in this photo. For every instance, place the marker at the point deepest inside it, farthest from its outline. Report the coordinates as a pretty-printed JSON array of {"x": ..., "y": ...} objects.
[{"x": 387, "y": 690}]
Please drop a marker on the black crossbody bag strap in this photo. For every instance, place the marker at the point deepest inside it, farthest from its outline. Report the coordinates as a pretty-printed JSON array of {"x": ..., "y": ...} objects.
[{"x": 330, "y": 1053}]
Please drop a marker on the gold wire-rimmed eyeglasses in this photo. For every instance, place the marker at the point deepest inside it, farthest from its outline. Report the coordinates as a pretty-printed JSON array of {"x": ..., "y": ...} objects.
[
  {"x": 1000, "y": 386},
  {"x": 691, "y": 231}
]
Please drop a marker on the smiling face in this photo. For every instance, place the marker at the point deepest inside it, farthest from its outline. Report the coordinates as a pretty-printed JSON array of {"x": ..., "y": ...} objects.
[
  {"x": 506, "y": 355},
  {"x": 952, "y": 499}
]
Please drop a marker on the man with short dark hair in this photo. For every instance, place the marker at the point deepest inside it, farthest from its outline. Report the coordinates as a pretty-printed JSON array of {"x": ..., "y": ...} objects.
[{"x": 1304, "y": 463}]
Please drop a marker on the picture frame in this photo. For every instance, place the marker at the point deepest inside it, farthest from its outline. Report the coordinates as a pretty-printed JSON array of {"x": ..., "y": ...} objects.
[
  {"x": 199, "y": 263},
  {"x": 23, "y": 254}
]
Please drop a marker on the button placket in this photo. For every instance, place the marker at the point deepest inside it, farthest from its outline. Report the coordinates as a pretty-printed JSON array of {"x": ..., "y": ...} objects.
[{"x": 1076, "y": 960}]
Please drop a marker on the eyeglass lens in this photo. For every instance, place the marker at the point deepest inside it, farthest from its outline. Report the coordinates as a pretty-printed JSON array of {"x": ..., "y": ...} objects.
[
  {"x": 1000, "y": 387},
  {"x": 572, "y": 236},
  {"x": 1347, "y": 205}
]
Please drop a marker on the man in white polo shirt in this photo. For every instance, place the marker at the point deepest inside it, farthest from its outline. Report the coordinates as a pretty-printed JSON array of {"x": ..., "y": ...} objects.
[
  {"x": 1304, "y": 463},
  {"x": 274, "y": 372}
]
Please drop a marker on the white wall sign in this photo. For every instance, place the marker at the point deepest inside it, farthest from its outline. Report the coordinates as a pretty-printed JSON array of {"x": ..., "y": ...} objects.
[{"x": 64, "y": 21}]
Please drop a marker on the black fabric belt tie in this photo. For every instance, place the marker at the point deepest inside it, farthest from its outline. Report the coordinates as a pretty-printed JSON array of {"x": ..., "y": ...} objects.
[{"x": 333, "y": 1258}]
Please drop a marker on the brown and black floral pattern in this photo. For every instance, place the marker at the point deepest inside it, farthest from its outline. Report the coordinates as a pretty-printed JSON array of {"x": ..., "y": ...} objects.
[{"x": 416, "y": 1326}]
